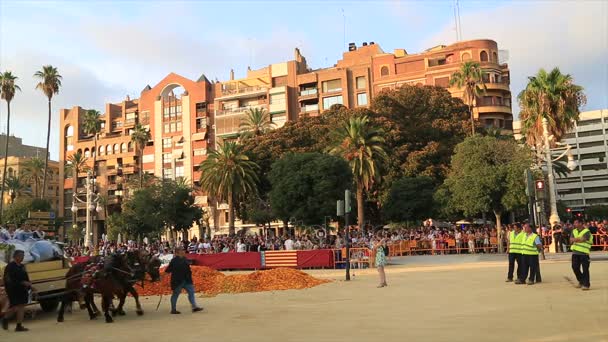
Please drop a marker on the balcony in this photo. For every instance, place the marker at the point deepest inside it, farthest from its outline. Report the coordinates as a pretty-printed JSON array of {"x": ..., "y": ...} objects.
[
  {"x": 237, "y": 111},
  {"x": 111, "y": 171},
  {"x": 129, "y": 123},
  {"x": 112, "y": 186},
  {"x": 129, "y": 169},
  {"x": 486, "y": 109},
  {"x": 309, "y": 93},
  {"x": 309, "y": 108},
  {"x": 240, "y": 91},
  {"x": 502, "y": 85}
]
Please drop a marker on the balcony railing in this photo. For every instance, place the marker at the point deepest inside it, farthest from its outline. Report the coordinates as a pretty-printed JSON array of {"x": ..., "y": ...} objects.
[
  {"x": 237, "y": 110},
  {"x": 309, "y": 108},
  {"x": 242, "y": 90},
  {"x": 307, "y": 92}
]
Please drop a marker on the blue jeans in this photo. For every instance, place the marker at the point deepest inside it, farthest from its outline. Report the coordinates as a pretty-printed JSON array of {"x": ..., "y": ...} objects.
[{"x": 189, "y": 288}]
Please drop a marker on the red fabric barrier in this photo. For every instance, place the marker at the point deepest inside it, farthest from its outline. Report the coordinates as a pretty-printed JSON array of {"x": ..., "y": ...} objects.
[
  {"x": 316, "y": 258},
  {"x": 226, "y": 261},
  {"x": 81, "y": 259}
]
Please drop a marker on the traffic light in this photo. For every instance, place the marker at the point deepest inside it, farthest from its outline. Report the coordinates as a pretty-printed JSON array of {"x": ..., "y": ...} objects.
[
  {"x": 540, "y": 185},
  {"x": 569, "y": 210}
]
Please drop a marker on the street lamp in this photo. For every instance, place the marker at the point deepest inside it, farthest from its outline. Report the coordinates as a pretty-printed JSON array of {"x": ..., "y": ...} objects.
[
  {"x": 91, "y": 205},
  {"x": 572, "y": 165}
]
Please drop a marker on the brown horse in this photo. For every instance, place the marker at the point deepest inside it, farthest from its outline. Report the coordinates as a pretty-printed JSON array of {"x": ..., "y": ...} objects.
[{"x": 74, "y": 291}]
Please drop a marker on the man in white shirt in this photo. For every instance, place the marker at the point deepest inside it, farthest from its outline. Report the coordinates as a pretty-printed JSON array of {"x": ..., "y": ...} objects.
[
  {"x": 241, "y": 247},
  {"x": 289, "y": 244}
]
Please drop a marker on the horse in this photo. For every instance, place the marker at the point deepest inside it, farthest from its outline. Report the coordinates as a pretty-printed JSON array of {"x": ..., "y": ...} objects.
[
  {"x": 74, "y": 291},
  {"x": 140, "y": 263}
]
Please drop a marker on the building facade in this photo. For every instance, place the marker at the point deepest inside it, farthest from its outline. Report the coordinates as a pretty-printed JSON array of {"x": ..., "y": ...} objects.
[
  {"x": 186, "y": 118},
  {"x": 16, "y": 148},
  {"x": 16, "y": 167},
  {"x": 587, "y": 185}
]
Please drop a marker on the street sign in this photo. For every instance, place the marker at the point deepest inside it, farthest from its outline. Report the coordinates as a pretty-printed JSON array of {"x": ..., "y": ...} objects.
[{"x": 49, "y": 215}]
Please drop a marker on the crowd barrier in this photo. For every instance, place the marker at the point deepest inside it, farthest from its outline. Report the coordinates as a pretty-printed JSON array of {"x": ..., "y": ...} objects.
[
  {"x": 600, "y": 241},
  {"x": 449, "y": 246}
]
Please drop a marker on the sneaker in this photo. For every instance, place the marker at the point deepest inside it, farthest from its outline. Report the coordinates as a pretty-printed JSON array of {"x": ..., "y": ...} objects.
[
  {"x": 585, "y": 288},
  {"x": 508, "y": 280},
  {"x": 531, "y": 283},
  {"x": 197, "y": 309},
  {"x": 175, "y": 312},
  {"x": 21, "y": 328}
]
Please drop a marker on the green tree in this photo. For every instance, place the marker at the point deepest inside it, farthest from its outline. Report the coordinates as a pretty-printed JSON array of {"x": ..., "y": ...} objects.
[
  {"x": 410, "y": 198},
  {"x": 470, "y": 79},
  {"x": 114, "y": 226},
  {"x": 17, "y": 212},
  {"x": 142, "y": 213},
  {"x": 49, "y": 83},
  {"x": 230, "y": 175},
  {"x": 177, "y": 208},
  {"x": 33, "y": 173},
  {"x": 92, "y": 126},
  {"x": 552, "y": 96},
  {"x": 7, "y": 93},
  {"x": 140, "y": 137},
  {"x": 306, "y": 186},
  {"x": 16, "y": 187},
  {"x": 255, "y": 123},
  {"x": 597, "y": 212},
  {"x": 362, "y": 146},
  {"x": 487, "y": 174}
]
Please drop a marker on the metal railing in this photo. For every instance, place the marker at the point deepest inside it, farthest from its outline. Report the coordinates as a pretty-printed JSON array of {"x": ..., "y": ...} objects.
[
  {"x": 237, "y": 110},
  {"x": 309, "y": 108},
  {"x": 306, "y": 92},
  {"x": 242, "y": 90}
]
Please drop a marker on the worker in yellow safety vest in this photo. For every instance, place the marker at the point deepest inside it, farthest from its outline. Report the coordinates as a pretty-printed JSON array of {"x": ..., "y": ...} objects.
[
  {"x": 530, "y": 248},
  {"x": 514, "y": 251},
  {"x": 581, "y": 241}
]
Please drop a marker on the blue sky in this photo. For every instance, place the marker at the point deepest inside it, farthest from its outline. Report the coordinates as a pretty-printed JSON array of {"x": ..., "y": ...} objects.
[{"x": 108, "y": 49}]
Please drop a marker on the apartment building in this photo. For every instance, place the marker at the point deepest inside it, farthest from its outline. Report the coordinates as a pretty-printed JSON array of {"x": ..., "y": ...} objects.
[
  {"x": 587, "y": 185},
  {"x": 16, "y": 148},
  {"x": 366, "y": 70},
  {"x": 16, "y": 166},
  {"x": 187, "y": 117}
]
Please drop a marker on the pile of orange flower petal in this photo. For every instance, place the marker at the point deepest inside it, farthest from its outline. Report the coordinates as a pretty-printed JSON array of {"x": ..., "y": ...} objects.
[{"x": 212, "y": 282}]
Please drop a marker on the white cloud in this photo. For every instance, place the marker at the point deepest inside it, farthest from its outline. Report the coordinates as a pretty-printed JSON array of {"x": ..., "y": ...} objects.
[{"x": 572, "y": 35}]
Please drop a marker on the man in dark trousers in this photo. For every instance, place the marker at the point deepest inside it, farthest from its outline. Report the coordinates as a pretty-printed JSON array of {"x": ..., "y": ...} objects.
[
  {"x": 17, "y": 285},
  {"x": 181, "y": 278},
  {"x": 581, "y": 240},
  {"x": 514, "y": 251},
  {"x": 530, "y": 248}
]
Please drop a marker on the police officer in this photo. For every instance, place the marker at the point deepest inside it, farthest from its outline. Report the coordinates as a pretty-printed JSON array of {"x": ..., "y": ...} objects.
[
  {"x": 581, "y": 241},
  {"x": 514, "y": 251},
  {"x": 531, "y": 247}
]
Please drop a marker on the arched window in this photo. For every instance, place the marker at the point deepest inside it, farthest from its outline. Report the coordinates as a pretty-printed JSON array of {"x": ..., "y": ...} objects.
[
  {"x": 384, "y": 71},
  {"x": 79, "y": 151},
  {"x": 495, "y": 57},
  {"x": 69, "y": 131},
  {"x": 130, "y": 145},
  {"x": 10, "y": 172},
  {"x": 116, "y": 149},
  {"x": 69, "y": 138},
  {"x": 466, "y": 56},
  {"x": 123, "y": 148},
  {"x": 102, "y": 150},
  {"x": 109, "y": 149},
  {"x": 483, "y": 56},
  {"x": 87, "y": 153}
]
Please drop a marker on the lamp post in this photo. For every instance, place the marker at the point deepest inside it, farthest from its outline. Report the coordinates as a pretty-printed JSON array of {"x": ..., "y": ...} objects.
[
  {"x": 91, "y": 204},
  {"x": 572, "y": 164}
]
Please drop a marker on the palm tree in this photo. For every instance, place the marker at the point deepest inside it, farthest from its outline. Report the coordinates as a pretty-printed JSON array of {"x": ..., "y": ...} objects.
[
  {"x": 75, "y": 164},
  {"x": 33, "y": 173},
  {"x": 7, "y": 92},
  {"x": 49, "y": 84},
  {"x": 362, "y": 146},
  {"x": 140, "y": 137},
  {"x": 92, "y": 126},
  {"x": 255, "y": 123},
  {"x": 16, "y": 187},
  {"x": 229, "y": 174},
  {"x": 470, "y": 79},
  {"x": 552, "y": 96}
]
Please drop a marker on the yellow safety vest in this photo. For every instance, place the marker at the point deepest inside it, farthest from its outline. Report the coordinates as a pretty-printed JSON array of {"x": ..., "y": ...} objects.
[
  {"x": 528, "y": 246},
  {"x": 515, "y": 242},
  {"x": 582, "y": 247}
]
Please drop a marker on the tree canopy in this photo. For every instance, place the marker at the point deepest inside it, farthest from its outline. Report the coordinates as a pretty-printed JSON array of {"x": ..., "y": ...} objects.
[{"x": 409, "y": 199}]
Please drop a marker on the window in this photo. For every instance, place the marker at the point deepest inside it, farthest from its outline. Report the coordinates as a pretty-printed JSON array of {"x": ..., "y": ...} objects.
[
  {"x": 109, "y": 149},
  {"x": 599, "y": 155},
  {"x": 596, "y": 189},
  {"x": 179, "y": 171},
  {"x": 362, "y": 99},
  {"x": 167, "y": 173},
  {"x": 69, "y": 138},
  {"x": 87, "y": 153},
  {"x": 594, "y": 167},
  {"x": 178, "y": 127},
  {"x": 102, "y": 150},
  {"x": 332, "y": 100},
  {"x": 483, "y": 56},
  {"x": 360, "y": 81},
  {"x": 589, "y": 122},
  {"x": 166, "y": 128},
  {"x": 167, "y": 143},
  {"x": 130, "y": 117},
  {"x": 466, "y": 56},
  {"x": 178, "y": 109},
  {"x": 166, "y": 158},
  {"x": 123, "y": 148},
  {"x": 116, "y": 149},
  {"x": 495, "y": 57},
  {"x": 200, "y": 152},
  {"x": 590, "y": 133},
  {"x": 201, "y": 123},
  {"x": 148, "y": 158},
  {"x": 276, "y": 99},
  {"x": 591, "y": 144},
  {"x": 332, "y": 85},
  {"x": 384, "y": 71},
  {"x": 506, "y": 102}
]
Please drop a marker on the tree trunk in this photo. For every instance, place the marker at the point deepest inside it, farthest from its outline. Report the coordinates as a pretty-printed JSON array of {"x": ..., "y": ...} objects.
[
  {"x": 141, "y": 167},
  {"x": 75, "y": 171},
  {"x": 8, "y": 128},
  {"x": 231, "y": 229},
  {"x": 46, "y": 156},
  {"x": 360, "y": 208},
  {"x": 472, "y": 119},
  {"x": 499, "y": 230}
]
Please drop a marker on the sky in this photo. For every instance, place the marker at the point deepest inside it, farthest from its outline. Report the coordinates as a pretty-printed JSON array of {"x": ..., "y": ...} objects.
[{"x": 106, "y": 50}]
